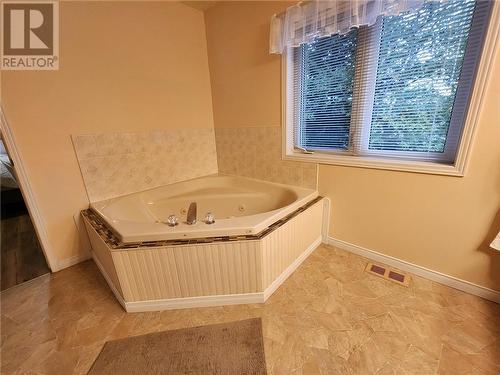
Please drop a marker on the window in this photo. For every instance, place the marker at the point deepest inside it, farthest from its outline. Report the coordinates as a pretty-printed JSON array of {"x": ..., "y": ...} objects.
[{"x": 394, "y": 92}]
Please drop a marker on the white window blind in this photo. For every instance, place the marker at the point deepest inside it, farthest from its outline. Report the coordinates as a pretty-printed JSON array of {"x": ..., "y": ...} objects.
[
  {"x": 399, "y": 88},
  {"x": 324, "y": 101}
]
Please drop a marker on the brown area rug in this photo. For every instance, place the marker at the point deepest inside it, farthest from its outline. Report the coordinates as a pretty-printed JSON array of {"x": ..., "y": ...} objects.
[{"x": 228, "y": 348}]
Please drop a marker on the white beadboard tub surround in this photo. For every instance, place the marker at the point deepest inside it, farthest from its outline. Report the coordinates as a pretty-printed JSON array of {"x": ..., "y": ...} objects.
[{"x": 211, "y": 274}]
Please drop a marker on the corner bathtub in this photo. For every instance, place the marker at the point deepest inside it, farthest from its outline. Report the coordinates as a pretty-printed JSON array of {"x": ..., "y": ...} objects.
[
  {"x": 262, "y": 233},
  {"x": 241, "y": 206}
]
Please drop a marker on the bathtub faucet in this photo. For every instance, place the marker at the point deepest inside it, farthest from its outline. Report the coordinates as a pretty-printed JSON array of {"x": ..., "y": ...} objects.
[{"x": 191, "y": 216}]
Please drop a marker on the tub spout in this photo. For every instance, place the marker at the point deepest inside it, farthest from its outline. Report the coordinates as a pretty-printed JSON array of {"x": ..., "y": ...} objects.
[{"x": 191, "y": 215}]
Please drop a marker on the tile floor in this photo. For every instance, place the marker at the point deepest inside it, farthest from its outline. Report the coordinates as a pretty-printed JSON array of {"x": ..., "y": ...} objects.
[{"x": 329, "y": 317}]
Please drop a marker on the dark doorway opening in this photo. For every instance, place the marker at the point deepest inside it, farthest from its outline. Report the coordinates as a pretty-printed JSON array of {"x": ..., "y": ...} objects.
[{"x": 22, "y": 258}]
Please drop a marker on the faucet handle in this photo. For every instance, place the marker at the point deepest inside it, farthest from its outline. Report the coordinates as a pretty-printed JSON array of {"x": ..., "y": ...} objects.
[
  {"x": 172, "y": 221},
  {"x": 209, "y": 218}
]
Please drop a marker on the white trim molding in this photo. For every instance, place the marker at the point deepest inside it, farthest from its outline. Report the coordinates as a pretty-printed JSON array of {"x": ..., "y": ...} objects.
[
  {"x": 192, "y": 302},
  {"x": 438, "y": 277},
  {"x": 325, "y": 225},
  {"x": 71, "y": 261},
  {"x": 117, "y": 294},
  {"x": 291, "y": 268},
  {"x": 27, "y": 191},
  {"x": 374, "y": 162}
]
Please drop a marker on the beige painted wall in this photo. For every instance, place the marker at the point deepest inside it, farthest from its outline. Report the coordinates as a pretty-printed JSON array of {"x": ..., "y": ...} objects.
[
  {"x": 443, "y": 223},
  {"x": 246, "y": 89},
  {"x": 246, "y": 94},
  {"x": 439, "y": 222},
  {"x": 128, "y": 66}
]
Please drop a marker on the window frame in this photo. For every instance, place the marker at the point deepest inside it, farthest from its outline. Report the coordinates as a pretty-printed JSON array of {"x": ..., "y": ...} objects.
[{"x": 388, "y": 160}]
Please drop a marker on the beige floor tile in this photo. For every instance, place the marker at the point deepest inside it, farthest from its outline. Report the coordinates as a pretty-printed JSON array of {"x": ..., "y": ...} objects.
[
  {"x": 329, "y": 317},
  {"x": 468, "y": 337},
  {"x": 453, "y": 362},
  {"x": 418, "y": 362}
]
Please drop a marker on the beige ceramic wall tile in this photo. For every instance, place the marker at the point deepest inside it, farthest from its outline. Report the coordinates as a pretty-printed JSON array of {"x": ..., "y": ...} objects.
[
  {"x": 114, "y": 164},
  {"x": 256, "y": 152}
]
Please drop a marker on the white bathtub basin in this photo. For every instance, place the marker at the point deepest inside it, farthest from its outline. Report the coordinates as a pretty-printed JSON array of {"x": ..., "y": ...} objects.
[{"x": 241, "y": 206}]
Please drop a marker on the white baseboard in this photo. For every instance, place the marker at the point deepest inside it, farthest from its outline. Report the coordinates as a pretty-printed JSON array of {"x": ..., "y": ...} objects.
[
  {"x": 190, "y": 302},
  {"x": 108, "y": 280},
  {"x": 68, "y": 262},
  {"x": 291, "y": 268},
  {"x": 209, "y": 301},
  {"x": 453, "y": 282}
]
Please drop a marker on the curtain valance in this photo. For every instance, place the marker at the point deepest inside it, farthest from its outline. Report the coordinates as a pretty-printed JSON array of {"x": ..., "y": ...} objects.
[{"x": 304, "y": 22}]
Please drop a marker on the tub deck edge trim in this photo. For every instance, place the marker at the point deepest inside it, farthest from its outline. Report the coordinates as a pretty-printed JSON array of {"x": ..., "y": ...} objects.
[{"x": 111, "y": 239}]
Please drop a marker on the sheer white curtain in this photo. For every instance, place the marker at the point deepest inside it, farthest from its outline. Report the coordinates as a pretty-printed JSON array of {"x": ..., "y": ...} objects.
[{"x": 305, "y": 21}]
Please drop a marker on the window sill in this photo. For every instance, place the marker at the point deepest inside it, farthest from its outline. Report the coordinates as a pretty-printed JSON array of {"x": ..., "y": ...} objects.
[{"x": 378, "y": 163}]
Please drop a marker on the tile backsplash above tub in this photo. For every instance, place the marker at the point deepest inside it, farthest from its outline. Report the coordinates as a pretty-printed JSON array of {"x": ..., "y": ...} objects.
[
  {"x": 256, "y": 152},
  {"x": 114, "y": 164}
]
